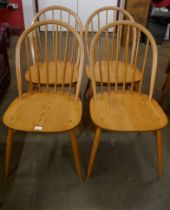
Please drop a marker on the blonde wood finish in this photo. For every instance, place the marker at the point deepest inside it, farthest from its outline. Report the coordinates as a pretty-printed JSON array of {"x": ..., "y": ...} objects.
[
  {"x": 71, "y": 68},
  {"x": 10, "y": 136},
  {"x": 123, "y": 111},
  {"x": 53, "y": 10},
  {"x": 50, "y": 112},
  {"x": 49, "y": 108},
  {"x": 117, "y": 14},
  {"x": 112, "y": 67},
  {"x": 93, "y": 151},
  {"x": 159, "y": 151},
  {"x": 71, "y": 18},
  {"x": 133, "y": 61},
  {"x": 127, "y": 109},
  {"x": 76, "y": 153}
]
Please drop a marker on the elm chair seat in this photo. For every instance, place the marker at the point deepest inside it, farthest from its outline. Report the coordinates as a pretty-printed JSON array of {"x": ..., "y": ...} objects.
[
  {"x": 40, "y": 110},
  {"x": 127, "y": 112}
]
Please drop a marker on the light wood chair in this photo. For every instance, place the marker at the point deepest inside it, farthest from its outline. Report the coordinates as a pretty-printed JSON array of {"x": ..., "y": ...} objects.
[
  {"x": 60, "y": 13},
  {"x": 94, "y": 23},
  {"x": 121, "y": 108},
  {"x": 56, "y": 13},
  {"x": 50, "y": 107}
]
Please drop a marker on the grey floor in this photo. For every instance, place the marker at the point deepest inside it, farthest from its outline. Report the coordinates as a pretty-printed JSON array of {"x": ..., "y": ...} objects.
[{"x": 42, "y": 172}]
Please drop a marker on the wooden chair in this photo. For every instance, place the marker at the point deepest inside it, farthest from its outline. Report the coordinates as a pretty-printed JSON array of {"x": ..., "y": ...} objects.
[
  {"x": 56, "y": 13},
  {"x": 51, "y": 107},
  {"x": 121, "y": 108},
  {"x": 60, "y": 13},
  {"x": 95, "y": 22}
]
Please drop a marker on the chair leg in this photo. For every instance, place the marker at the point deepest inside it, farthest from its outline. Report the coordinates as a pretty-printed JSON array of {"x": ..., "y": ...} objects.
[
  {"x": 159, "y": 151},
  {"x": 76, "y": 154},
  {"x": 10, "y": 136},
  {"x": 93, "y": 151}
]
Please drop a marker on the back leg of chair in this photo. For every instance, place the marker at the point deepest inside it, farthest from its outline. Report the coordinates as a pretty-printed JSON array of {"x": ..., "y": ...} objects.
[
  {"x": 159, "y": 151},
  {"x": 87, "y": 96},
  {"x": 93, "y": 151},
  {"x": 9, "y": 142},
  {"x": 76, "y": 154},
  {"x": 88, "y": 92}
]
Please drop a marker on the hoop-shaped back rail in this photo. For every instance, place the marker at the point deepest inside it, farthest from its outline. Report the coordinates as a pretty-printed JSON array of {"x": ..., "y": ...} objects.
[
  {"x": 121, "y": 62},
  {"x": 58, "y": 58},
  {"x": 102, "y": 17}
]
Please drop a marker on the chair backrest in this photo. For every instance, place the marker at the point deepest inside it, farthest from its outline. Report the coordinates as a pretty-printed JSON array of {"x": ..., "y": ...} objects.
[
  {"x": 102, "y": 17},
  {"x": 57, "y": 53},
  {"x": 119, "y": 59},
  {"x": 60, "y": 13}
]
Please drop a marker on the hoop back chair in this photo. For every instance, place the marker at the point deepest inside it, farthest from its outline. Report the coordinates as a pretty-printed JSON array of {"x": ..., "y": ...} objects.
[
  {"x": 95, "y": 22},
  {"x": 57, "y": 13},
  {"x": 60, "y": 13},
  {"x": 120, "y": 107},
  {"x": 49, "y": 108}
]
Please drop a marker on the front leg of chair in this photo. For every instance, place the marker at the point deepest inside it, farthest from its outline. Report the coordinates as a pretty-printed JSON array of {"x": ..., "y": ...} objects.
[
  {"x": 76, "y": 154},
  {"x": 159, "y": 151},
  {"x": 93, "y": 151},
  {"x": 9, "y": 142}
]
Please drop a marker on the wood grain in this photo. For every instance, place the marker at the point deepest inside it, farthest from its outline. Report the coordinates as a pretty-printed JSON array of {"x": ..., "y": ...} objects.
[{"x": 123, "y": 111}]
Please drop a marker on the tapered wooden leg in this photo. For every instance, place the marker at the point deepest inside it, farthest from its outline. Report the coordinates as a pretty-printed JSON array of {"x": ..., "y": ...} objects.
[
  {"x": 93, "y": 151},
  {"x": 76, "y": 154},
  {"x": 87, "y": 89},
  {"x": 159, "y": 151},
  {"x": 10, "y": 136}
]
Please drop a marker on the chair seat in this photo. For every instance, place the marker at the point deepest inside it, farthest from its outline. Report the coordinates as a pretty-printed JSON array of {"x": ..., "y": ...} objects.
[
  {"x": 112, "y": 66},
  {"x": 124, "y": 111},
  {"x": 52, "y": 67},
  {"x": 43, "y": 112}
]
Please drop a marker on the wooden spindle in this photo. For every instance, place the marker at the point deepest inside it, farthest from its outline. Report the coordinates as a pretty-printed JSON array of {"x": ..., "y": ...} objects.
[
  {"x": 69, "y": 18},
  {"x": 106, "y": 17},
  {"x": 144, "y": 64},
  {"x": 53, "y": 35},
  {"x": 73, "y": 51},
  {"x": 100, "y": 65},
  {"x": 107, "y": 59},
  {"x": 61, "y": 37},
  {"x": 65, "y": 59},
  {"x": 135, "y": 61},
  {"x": 47, "y": 58},
  {"x": 92, "y": 67},
  {"x": 36, "y": 62},
  {"x": 112, "y": 44},
  {"x": 55, "y": 57},
  {"x": 98, "y": 21},
  {"x": 40, "y": 46},
  {"x": 28, "y": 64},
  {"x": 125, "y": 57},
  {"x": 117, "y": 55}
]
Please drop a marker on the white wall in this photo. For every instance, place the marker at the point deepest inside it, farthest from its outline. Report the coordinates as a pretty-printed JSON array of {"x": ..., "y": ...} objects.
[
  {"x": 28, "y": 11},
  {"x": 86, "y": 7},
  {"x": 83, "y": 7},
  {"x": 72, "y": 4}
]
